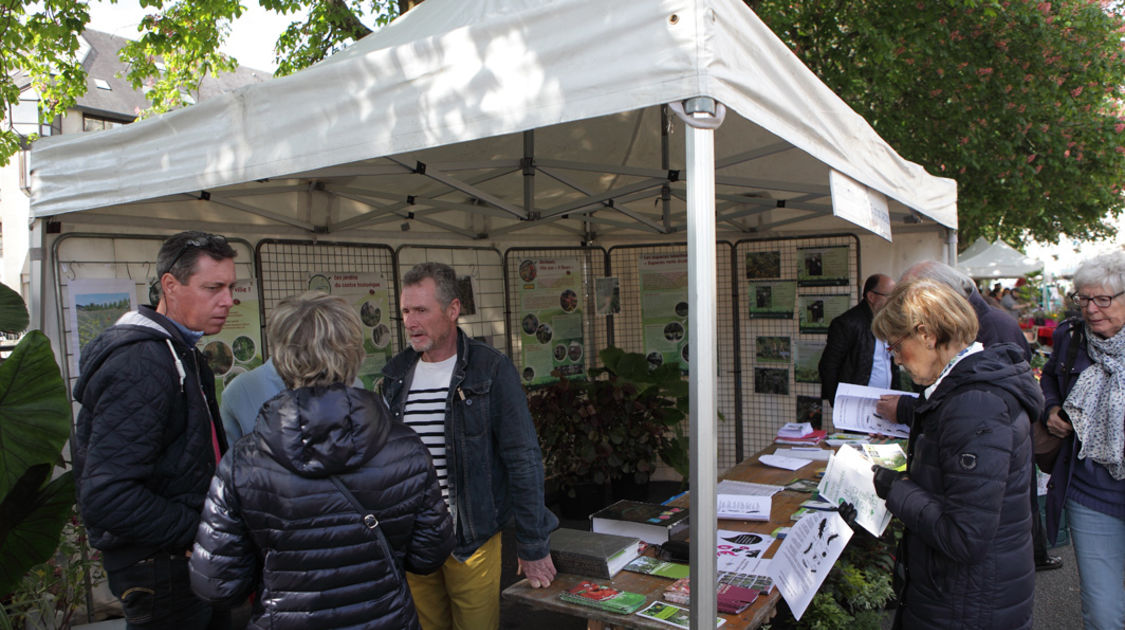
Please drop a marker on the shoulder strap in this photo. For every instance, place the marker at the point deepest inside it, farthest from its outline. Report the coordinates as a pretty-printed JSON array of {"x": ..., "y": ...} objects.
[
  {"x": 1077, "y": 338},
  {"x": 370, "y": 521}
]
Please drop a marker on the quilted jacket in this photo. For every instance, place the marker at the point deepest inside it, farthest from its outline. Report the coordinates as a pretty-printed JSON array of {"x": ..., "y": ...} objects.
[
  {"x": 274, "y": 522},
  {"x": 143, "y": 456},
  {"x": 967, "y": 546}
]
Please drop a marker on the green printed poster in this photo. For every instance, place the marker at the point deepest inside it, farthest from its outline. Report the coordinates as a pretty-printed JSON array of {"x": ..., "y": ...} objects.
[
  {"x": 816, "y": 312},
  {"x": 550, "y": 311},
  {"x": 772, "y": 300},
  {"x": 664, "y": 308},
  {"x": 822, "y": 266},
  {"x": 370, "y": 294},
  {"x": 237, "y": 348},
  {"x": 807, "y": 361}
]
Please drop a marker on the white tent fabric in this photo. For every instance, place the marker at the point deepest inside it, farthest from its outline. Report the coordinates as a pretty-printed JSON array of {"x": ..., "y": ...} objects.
[
  {"x": 449, "y": 72},
  {"x": 996, "y": 260}
]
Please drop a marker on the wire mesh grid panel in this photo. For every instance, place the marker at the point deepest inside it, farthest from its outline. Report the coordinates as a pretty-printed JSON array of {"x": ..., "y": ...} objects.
[
  {"x": 362, "y": 273},
  {"x": 790, "y": 289},
  {"x": 655, "y": 314},
  {"x": 480, "y": 281},
  {"x": 546, "y": 289},
  {"x": 99, "y": 276}
]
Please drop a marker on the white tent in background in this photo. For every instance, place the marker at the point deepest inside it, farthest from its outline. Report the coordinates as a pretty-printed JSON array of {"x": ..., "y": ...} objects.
[
  {"x": 983, "y": 259},
  {"x": 517, "y": 122}
]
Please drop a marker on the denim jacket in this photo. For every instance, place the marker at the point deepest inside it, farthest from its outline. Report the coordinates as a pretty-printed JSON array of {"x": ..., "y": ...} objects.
[{"x": 494, "y": 463}]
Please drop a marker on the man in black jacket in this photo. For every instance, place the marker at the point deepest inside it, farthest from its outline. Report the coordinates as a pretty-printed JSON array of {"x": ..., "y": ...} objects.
[
  {"x": 852, "y": 354},
  {"x": 148, "y": 436}
]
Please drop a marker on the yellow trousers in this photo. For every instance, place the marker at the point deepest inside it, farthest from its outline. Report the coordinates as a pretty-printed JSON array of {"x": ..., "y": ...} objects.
[{"x": 461, "y": 595}]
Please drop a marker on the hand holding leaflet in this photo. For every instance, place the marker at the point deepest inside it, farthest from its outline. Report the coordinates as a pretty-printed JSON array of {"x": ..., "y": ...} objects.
[{"x": 854, "y": 410}]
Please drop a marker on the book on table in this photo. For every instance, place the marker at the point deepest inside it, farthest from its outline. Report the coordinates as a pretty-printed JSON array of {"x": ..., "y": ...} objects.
[
  {"x": 603, "y": 597},
  {"x": 651, "y": 522},
  {"x": 592, "y": 554}
]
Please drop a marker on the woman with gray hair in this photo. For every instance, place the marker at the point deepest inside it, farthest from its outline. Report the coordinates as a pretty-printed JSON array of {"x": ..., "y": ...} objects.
[
  {"x": 1084, "y": 386},
  {"x": 965, "y": 553},
  {"x": 327, "y": 502}
]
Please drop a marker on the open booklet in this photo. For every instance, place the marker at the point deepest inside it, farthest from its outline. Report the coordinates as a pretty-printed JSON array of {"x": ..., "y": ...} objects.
[
  {"x": 849, "y": 477},
  {"x": 854, "y": 410}
]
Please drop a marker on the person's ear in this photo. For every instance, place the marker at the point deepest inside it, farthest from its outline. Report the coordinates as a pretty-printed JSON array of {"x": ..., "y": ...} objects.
[
  {"x": 168, "y": 284},
  {"x": 454, "y": 309}
]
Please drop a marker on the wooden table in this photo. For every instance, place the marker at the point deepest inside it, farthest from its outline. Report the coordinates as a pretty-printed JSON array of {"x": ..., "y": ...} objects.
[{"x": 652, "y": 587}]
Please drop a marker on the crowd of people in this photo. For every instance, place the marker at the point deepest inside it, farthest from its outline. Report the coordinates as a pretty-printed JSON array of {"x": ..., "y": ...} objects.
[{"x": 327, "y": 505}]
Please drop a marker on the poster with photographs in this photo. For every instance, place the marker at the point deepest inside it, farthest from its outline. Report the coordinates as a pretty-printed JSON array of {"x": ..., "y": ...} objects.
[
  {"x": 371, "y": 295},
  {"x": 806, "y": 361},
  {"x": 815, "y": 312},
  {"x": 94, "y": 305},
  {"x": 773, "y": 350},
  {"x": 607, "y": 296},
  {"x": 237, "y": 348},
  {"x": 771, "y": 381},
  {"x": 772, "y": 300},
  {"x": 664, "y": 308},
  {"x": 809, "y": 410},
  {"x": 550, "y": 311},
  {"x": 763, "y": 265},
  {"x": 822, "y": 266}
]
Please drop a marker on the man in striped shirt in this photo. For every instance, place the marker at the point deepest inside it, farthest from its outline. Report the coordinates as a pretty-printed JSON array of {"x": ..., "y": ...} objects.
[{"x": 464, "y": 398}]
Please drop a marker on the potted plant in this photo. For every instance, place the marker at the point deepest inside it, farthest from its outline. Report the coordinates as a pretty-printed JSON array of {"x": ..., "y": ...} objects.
[{"x": 612, "y": 427}]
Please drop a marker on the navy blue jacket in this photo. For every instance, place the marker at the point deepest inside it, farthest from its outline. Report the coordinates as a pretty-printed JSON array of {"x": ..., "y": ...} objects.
[
  {"x": 494, "y": 463},
  {"x": 967, "y": 545},
  {"x": 1055, "y": 391},
  {"x": 274, "y": 522},
  {"x": 142, "y": 447}
]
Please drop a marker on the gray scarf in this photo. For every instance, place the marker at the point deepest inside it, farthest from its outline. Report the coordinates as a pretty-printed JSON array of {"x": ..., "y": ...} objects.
[{"x": 1096, "y": 404}]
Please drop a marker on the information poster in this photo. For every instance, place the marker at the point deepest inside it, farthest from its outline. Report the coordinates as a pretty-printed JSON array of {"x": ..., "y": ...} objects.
[
  {"x": 95, "y": 304},
  {"x": 763, "y": 265},
  {"x": 822, "y": 266},
  {"x": 807, "y": 361},
  {"x": 772, "y": 300},
  {"x": 551, "y": 319},
  {"x": 237, "y": 348},
  {"x": 816, "y": 312},
  {"x": 664, "y": 308},
  {"x": 370, "y": 294},
  {"x": 771, "y": 381},
  {"x": 772, "y": 349}
]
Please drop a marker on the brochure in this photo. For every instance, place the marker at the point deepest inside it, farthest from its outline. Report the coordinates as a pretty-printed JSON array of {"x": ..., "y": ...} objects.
[{"x": 854, "y": 410}]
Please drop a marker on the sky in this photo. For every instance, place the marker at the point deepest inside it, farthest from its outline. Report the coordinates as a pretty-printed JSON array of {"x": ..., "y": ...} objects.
[{"x": 251, "y": 39}]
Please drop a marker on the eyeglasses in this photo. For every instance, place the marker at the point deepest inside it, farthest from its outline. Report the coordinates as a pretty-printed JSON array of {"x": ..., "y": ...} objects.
[
  {"x": 198, "y": 243},
  {"x": 879, "y": 293},
  {"x": 894, "y": 347},
  {"x": 1101, "y": 301}
]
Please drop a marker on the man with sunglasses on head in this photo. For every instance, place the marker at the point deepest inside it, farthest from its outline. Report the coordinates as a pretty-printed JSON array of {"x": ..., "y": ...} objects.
[
  {"x": 148, "y": 436},
  {"x": 852, "y": 354}
]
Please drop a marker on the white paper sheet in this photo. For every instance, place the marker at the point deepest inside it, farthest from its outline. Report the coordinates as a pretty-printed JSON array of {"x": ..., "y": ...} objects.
[
  {"x": 731, "y": 486},
  {"x": 743, "y": 507},
  {"x": 854, "y": 410},
  {"x": 781, "y": 461},
  {"x": 815, "y": 454},
  {"x": 849, "y": 477},
  {"x": 806, "y": 555}
]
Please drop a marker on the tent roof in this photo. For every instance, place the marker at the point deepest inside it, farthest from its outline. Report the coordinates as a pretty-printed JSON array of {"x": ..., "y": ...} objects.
[
  {"x": 997, "y": 260},
  {"x": 453, "y": 85}
]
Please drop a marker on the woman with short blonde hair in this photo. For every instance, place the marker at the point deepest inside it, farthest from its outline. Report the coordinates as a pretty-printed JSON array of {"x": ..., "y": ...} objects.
[
  {"x": 328, "y": 502},
  {"x": 317, "y": 339},
  {"x": 966, "y": 549}
]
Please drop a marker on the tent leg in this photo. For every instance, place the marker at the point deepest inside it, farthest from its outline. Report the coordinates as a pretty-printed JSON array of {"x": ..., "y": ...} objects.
[{"x": 702, "y": 296}]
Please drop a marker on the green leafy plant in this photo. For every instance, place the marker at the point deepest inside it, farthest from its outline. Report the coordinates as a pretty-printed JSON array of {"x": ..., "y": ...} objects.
[
  {"x": 34, "y": 424},
  {"x": 614, "y": 425}
]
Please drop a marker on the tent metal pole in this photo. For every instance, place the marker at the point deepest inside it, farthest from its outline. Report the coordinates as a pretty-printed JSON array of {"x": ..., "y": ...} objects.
[
  {"x": 665, "y": 165},
  {"x": 703, "y": 298},
  {"x": 528, "y": 165}
]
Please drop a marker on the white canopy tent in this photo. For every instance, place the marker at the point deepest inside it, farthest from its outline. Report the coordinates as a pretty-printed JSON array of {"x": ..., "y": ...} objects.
[
  {"x": 497, "y": 120},
  {"x": 983, "y": 259}
]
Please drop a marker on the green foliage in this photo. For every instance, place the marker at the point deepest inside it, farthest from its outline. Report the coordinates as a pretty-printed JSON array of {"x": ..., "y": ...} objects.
[
  {"x": 34, "y": 424},
  {"x": 609, "y": 428},
  {"x": 1019, "y": 100},
  {"x": 178, "y": 46},
  {"x": 56, "y": 588}
]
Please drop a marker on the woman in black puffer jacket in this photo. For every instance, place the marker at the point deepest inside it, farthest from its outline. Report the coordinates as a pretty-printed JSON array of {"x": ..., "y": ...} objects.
[
  {"x": 966, "y": 548},
  {"x": 275, "y": 522}
]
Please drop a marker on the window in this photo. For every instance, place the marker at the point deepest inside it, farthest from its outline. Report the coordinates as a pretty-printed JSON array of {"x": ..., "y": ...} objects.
[{"x": 96, "y": 123}]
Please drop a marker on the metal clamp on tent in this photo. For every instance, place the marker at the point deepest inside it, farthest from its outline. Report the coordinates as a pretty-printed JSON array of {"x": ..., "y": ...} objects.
[{"x": 717, "y": 112}]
